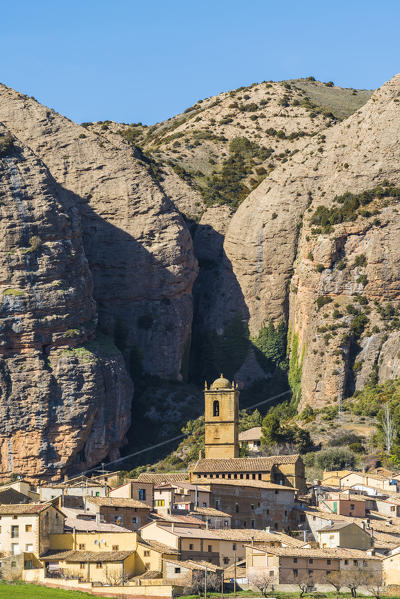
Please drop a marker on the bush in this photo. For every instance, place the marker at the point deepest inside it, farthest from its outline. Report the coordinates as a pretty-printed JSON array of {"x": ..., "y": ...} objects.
[
  {"x": 322, "y": 301},
  {"x": 319, "y": 267},
  {"x": 344, "y": 439},
  {"x": 360, "y": 260},
  {"x": 6, "y": 145},
  {"x": 335, "y": 459}
]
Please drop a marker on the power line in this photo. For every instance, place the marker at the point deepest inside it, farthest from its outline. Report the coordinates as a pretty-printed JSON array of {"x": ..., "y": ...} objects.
[{"x": 140, "y": 451}]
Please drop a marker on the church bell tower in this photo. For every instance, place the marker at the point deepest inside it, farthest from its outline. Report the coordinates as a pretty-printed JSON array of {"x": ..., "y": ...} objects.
[{"x": 221, "y": 419}]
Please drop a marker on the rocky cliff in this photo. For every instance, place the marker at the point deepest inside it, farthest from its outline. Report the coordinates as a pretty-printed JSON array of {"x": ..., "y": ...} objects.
[
  {"x": 317, "y": 243},
  {"x": 137, "y": 244},
  {"x": 64, "y": 394}
]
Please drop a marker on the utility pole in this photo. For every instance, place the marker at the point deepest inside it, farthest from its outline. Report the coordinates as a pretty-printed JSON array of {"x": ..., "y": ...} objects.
[
  {"x": 222, "y": 584},
  {"x": 234, "y": 575}
]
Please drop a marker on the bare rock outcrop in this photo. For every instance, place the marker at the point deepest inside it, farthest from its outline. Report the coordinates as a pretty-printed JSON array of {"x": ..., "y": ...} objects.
[
  {"x": 137, "y": 244},
  {"x": 65, "y": 395}
]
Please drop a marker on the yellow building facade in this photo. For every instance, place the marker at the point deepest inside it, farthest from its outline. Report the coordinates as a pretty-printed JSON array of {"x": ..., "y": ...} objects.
[{"x": 221, "y": 419}]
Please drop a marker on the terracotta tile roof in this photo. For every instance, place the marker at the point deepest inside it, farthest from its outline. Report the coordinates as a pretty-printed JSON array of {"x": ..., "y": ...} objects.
[
  {"x": 87, "y": 556},
  {"x": 195, "y": 565},
  {"x": 117, "y": 502},
  {"x": 23, "y": 508},
  {"x": 180, "y": 485},
  {"x": 157, "y": 478},
  {"x": 81, "y": 525},
  {"x": 336, "y": 526},
  {"x": 230, "y": 534},
  {"x": 10, "y": 495},
  {"x": 157, "y": 546},
  {"x": 238, "y": 482},
  {"x": 149, "y": 575},
  {"x": 244, "y": 464},
  {"x": 184, "y": 520},
  {"x": 209, "y": 511},
  {"x": 252, "y": 434},
  {"x": 327, "y": 553}
]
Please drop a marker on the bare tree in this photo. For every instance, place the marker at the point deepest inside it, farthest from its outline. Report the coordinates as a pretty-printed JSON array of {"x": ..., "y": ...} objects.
[
  {"x": 262, "y": 581},
  {"x": 334, "y": 577},
  {"x": 306, "y": 585},
  {"x": 195, "y": 584},
  {"x": 352, "y": 579},
  {"x": 374, "y": 584},
  {"x": 388, "y": 428}
]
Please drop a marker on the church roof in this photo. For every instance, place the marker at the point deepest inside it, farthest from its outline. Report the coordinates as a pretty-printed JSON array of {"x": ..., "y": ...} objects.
[
  {"x": 243, "y": 464},
  {"x": 221, "y": 383}
]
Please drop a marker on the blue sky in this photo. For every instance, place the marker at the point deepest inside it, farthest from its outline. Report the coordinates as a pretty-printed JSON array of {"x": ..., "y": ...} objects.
[{"x": 130, "y": 60}]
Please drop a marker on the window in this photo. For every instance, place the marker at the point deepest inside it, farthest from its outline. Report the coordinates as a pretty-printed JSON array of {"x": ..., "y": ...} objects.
[
  {"x": 99, "y": 565},
  {"x": 276, "y": 525},
  {"x": 310, "y": 571},
  {"x": 234, "y": 546},
  {"x": 177, "y": 570},
  {"x": 14, "y": 532},
  {"x": 191, "y": 547},
  {"x": 237, "y": 508},
  {"x": 286, "y": 513},
  {"x": 329, "y": 561},
  {"x": 314, "y": 518},
  {"x": 331, "y": 536},
  {"x": 355, "y": 562},
  {"x": 295, "y": 572},
  {"x": 28, "y": 564},
  {"x": 97, "y": 493},
  {"x": 392, "y": 508},
  {"x": 15, "y": 549},
  {"x": 253, "y": 524},
  {"x": 115, "y": 547},
  {"x": 15, "y": 517},
  {"x": 352, "y": 506},
  {"x": 146, "y": 553},
  {"x": 134, "y": 520},
  {"x": 29, "y": 547},
  {"x": 13, "y": 564},
  {"x": 147, "y": 565},
  {"x": 253, "y": 476},
  {"x": 252, "y": 506},
  {"x": 28, "y": 528},
  {"x": 82, "y": 565},
  {"x": 142, "y": 494},
  {"x": 295, "y": 560},
  {"x": 267, "y": 512},
  {"x": 259, "y": 476},
  {"x": 311, "y": 561},
  {"x": 247, "y": 476},
  {"x": 346, "y": 562},
  {"x": 226, "y": 523},
  {"x": 216, "y": 408},
  {"x": 209, "y": 548},
  {"x": 271, "y": 573},
  {"x": 245, "y": 524},
  {"x": 226, "y": 560},
  {"x": 56, "y": 515},
  {"x": 276, "y": 491},
  {"x": 159, "y": 502},
  {"x": 82, "y": 546}
]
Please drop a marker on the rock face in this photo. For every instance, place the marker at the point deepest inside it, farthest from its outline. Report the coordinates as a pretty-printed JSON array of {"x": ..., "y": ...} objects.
[
  {"x": 137, "y": 244},
  {"x": 331, "y": 281},
  {"x": 64, "y": 394}
]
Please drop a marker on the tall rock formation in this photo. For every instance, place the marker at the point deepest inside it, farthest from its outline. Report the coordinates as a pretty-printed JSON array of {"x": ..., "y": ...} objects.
[
  {"x": 331, "y": 271},
  {"x": 138, "y": 246},
  {"x": 64, "y": 394}
]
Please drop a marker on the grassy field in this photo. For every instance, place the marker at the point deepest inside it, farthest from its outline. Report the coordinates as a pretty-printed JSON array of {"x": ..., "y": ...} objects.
[{"x": 31, "y": 591}]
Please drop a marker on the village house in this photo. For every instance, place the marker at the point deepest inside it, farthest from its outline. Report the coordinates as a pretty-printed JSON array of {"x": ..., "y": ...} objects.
[
  {"x": 251, "y": 439},
  {"x": 212, "y": 517},
  {"x": 79, "y": 490},
  {"x": 102, "y": 557},
  {"x": 344, "y": 504},
  {"x": 135, "y": 489},
  {"x": 286, "y": 567},
  {"x": 182, "y": 573},
  {"x": 129, "y": 513},
  {"x": 254, "y": 504},
  {"x": 180, "y": 496},
  {"x": 220, "y": 547},
  {"x": 150, "y": 556},
  {"x": 344, "y": 534}
]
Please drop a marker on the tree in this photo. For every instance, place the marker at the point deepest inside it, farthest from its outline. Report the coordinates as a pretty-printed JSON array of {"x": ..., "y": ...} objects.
[
  {"x": 195, "y": 584},
  {"x": 334, "y": 577},
  {"x": 271, "y": 429},
  {"x": 388, "y": 428},
  {"x": 305, "y": 585},
  {"x": 352, "y": 579},
  {"x": 374, "y": 584},
  {"x": 262, "y": 581}
]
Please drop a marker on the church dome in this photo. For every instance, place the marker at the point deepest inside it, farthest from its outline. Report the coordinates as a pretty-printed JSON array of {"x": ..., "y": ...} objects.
[{"x": 221, "y": 383}]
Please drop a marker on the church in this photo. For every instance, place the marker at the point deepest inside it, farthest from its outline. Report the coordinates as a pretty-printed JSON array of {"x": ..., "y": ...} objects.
[{"x": 222, "y": 459}]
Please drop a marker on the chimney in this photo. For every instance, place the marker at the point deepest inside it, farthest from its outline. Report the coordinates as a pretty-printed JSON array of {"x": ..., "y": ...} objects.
[
  {"x": 363, "y": 525},
  {"x": 172, "y": 526}
]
